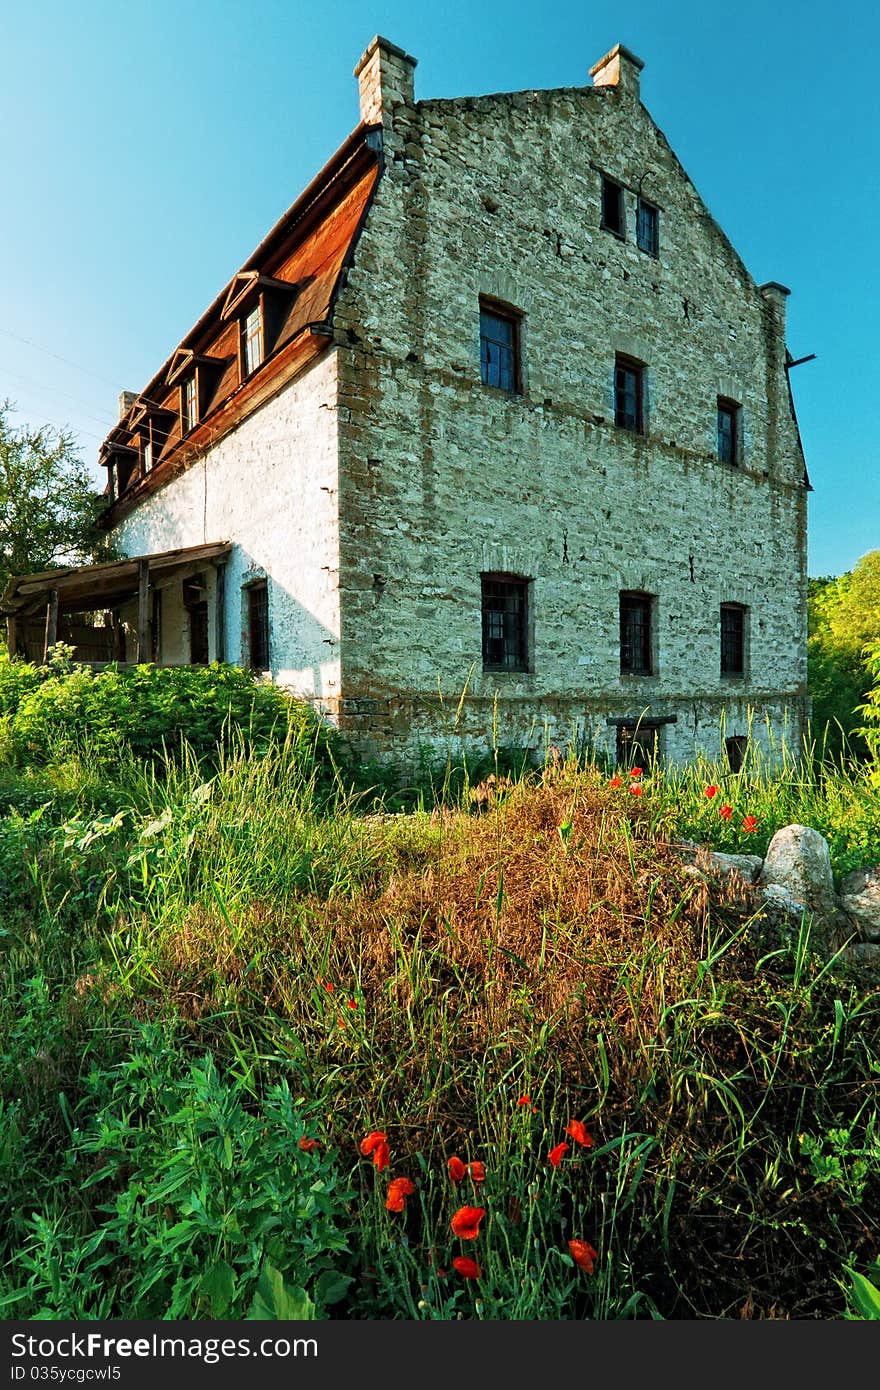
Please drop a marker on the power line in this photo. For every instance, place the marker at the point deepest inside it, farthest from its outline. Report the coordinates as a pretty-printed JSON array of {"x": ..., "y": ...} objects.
[{"x": 58, "y": 358}]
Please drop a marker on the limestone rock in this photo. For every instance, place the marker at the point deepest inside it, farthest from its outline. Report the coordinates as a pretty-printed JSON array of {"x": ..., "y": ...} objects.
[
  {"x": 864, "y": 955},
  {"x": 799, "y": 864},
  {"x": 860, "y": 900},
  {"x": 747, "y": 865}
]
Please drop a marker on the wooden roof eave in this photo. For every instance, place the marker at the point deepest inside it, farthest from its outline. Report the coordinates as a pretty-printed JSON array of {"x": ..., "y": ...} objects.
[{"x": 99, "y": 584}]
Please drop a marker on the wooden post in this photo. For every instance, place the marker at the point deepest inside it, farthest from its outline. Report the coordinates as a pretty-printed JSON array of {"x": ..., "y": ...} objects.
[
  {"x": 51, "y": 623},
  {"x": 12, "y": 635},
  {"x": 143, "y": 629},
  {"x": 220, "y": 612}
]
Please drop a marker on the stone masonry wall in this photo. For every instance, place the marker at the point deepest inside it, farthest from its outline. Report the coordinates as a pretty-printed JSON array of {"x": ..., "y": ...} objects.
[
  {"x": 442, "y": 478},
  {"x": 271, "y": 487}
]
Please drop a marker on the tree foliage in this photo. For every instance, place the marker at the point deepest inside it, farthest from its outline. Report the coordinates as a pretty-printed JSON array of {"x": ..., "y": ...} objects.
[
  {"x": 48, "y": 504},
  {"x": 844, "y": 625}
]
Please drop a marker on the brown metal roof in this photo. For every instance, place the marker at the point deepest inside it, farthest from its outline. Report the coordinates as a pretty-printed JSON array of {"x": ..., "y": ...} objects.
[{"x": 98, "y": 586}]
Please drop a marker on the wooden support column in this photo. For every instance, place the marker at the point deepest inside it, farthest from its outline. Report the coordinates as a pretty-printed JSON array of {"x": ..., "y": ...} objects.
[
  {"x": 143, "y": 628},
  {"x": 12, "y": 635},
  {"x": 220, "y": 614},
  {"x": 51, "y": 623}
]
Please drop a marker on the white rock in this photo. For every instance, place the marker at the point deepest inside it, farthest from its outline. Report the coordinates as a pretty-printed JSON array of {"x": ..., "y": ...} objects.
[
  {"x": 747, "y": 865},
  {"x": 798, "y": 862},
  {"x": 860, "y": 900}
]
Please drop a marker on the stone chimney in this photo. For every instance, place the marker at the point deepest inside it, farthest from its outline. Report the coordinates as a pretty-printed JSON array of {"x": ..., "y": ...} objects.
[
  {"x": 776, "y": 295},
  {"x": 126, "y": 401},
  {"x": 619, "y": 68},
  {"x": 385, "y": 77}
]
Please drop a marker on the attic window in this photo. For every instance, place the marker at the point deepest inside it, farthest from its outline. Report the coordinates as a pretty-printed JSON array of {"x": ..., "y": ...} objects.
[
  {"x": 648, "y": 228},
  {"x": 252, "y": 339},
  {"x": 189, "y": 404},
  {"x": 612, "y": 207}
]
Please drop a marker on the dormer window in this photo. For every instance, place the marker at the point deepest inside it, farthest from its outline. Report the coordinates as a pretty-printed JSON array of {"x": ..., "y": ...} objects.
[
  {"x": 148, "y": 456},
  {"x": 252, "y": 339},
  {"x": 189, "y": 404}
]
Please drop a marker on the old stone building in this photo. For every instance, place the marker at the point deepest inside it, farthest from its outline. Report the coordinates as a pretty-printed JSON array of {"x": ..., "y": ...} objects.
[{"x": 496, "y": 407}]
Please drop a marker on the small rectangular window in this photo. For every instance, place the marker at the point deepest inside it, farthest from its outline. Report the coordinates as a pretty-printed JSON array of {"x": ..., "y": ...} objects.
[
  {"x": 629, "y": 386},
  {"x": 252, "y": 340},
  {"x": 736, "y": 748},
  {"x": 733, "y": 639},
  {"x": 189, "y": 404},
  {"x": 505, "y": 622},
  {"x": 648, "y": 228},
  {"x": 636, "y": 745},
  {"x": 499, "y": 348},
  {"x": 612, "y": 207},
  {"x": 258, "y": 626},
  {"x": 728, "y": 431},
  {"x": 636, "y": 657},
  {"x": 148, "y": 456}
]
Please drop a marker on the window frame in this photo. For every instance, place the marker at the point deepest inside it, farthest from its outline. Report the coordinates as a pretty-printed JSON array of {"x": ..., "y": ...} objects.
[
  {"x": 628, "y": 601},
  {"x": 740, "y": 642},
  {"x": 246, "y": 339},
  {"x": 625, "y": 363},
  {"x": 520, "y": 584},
  {"x": 645, "y": 205},
  {"x": 258, "y": 587},
  {"x": 189, "y": 402},
  {"x": 732, "y": 409},
  {"x": 620, "y": 230},
  {"x": 503, "y": 313}
]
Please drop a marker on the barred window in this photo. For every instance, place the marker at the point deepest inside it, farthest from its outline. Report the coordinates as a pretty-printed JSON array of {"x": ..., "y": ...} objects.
[
  {"x": 635, "y": 635},
  {"x": 258, "y": 626},
  {"x": 505, "y": 622},
  {"x": 733, "y": 639},
  {"x": 648, "y": 228},
  {"x": 499, "y": 348},
  {"x": 728, "y": 430},
  {"x": 252, "y": 340},
  {"x": 612, "y": 207},
  {"x": 629, "y": 385}
]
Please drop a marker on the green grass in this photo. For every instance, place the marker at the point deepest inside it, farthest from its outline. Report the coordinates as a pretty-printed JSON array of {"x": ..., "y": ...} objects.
[{"x": 205, "y": 961}]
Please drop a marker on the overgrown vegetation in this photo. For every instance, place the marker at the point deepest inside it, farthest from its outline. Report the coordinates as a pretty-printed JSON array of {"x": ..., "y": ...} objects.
[
  {"x": 844, "y": 628},
  {"x": 223, "y": 967}
]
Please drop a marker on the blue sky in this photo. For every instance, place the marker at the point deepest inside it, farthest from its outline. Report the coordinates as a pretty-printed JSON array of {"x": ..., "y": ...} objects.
[{"x": 149, "y": 147}]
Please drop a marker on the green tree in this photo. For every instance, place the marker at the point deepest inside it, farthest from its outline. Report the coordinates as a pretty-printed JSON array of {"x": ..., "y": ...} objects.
[
  {"x": 48, "y": 504},
  {"x": 844, "y": 623}
]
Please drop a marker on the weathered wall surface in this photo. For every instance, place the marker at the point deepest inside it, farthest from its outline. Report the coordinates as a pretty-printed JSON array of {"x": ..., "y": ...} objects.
[
  {"x": 271, "y": 487},
  {"x": 442, "y": 478}
]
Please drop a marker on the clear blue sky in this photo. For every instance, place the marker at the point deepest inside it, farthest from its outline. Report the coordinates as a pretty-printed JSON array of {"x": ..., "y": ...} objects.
[{"x": 148, "y": 147}]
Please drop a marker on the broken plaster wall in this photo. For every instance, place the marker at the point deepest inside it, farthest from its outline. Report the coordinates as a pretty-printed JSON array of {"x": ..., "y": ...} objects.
[
  {"x": 270, "y": 486},
  {"x": 442, "y": 478}
]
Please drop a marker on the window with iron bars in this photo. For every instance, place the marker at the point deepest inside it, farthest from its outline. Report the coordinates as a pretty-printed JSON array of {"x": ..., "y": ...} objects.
[
  {"x": 733, "y": 639},
  {"x": 505, "y": 622},
  {"x": 636, "y": 657},
  {"x": 499, "y": 348},
  {"x": 258, "y": 626}
]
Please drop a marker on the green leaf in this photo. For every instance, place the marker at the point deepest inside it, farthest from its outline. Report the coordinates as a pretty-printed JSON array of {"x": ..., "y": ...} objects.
[
  {"x": 331, "y": 1286},
  {"x": 277, "y": 1301},
  {"x": 865, "y": 1296},
  {"x": 218, "y": 1286}
]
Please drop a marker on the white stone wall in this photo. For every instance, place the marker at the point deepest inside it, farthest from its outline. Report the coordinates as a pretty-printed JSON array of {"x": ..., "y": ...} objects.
[
  {"x": 442, "y": 478},
  {"x": 271, "y": 487}
]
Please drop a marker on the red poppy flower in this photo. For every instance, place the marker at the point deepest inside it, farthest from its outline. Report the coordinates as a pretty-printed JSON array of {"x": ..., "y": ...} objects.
[
  {"x": 308, "y": 1145},
  {"x": 750, "y": 823},
  {"x": 558, "y": 1154},
  {"x": 466, "y": 1222},
  {"x": 635, "y": 772},
  {"x": 635, "y": 788},
  {"x": 583, "y": 1254},
  {"x": 381, "y": 1156},
  {"x": 398, "y": 1191},
  {"x": 352, "y": 1003},
  {"x": 327, "y": 985},
  {"x": 710, "y": 792},
  {"x": 526, "y": 1100},
  {"x": 372, "y": 1142},
  {"x": 468, "y": 1269},
  {"x": 616, "y": 782},
  {"x": 477, "y": 1172},
  {"x": 725, "y": 812},
  {"x": 456, "y": 1168},
  {"x": 580, "y": 1134}
]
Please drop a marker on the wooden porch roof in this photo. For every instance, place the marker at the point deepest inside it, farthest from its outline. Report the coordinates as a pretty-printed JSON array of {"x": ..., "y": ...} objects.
[{"x": 107, "y": 585}]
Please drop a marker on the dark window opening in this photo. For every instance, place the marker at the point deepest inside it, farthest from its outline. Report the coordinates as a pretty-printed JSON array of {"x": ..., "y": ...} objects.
[
  {"x": 636, "y": 745},
  {"x": 728, "y": 431},
  {"x": 505, "y": 618},
  {"x": 196, "y": 604},
  {"x": 648, "y": 228},
  {"x": 612, "y": 207},
  {"x": 258, "y": 626},
  {"x": 733, "y": 639},
  {"x": 156, "y": 626},
  {"x": 736, "y": 747},
  {"x": 499, "y": 348},
  {"x": 629, "y": 383},
  {"x": 635, "y": 635}
]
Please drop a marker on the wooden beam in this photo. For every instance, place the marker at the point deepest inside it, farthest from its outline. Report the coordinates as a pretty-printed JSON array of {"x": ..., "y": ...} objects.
[
  {"x": 143, "y": 628},
  {"x": 51, "y": 623},
  {"x": 12, "y": 635},
  {"x": 220, "y": 611}
]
